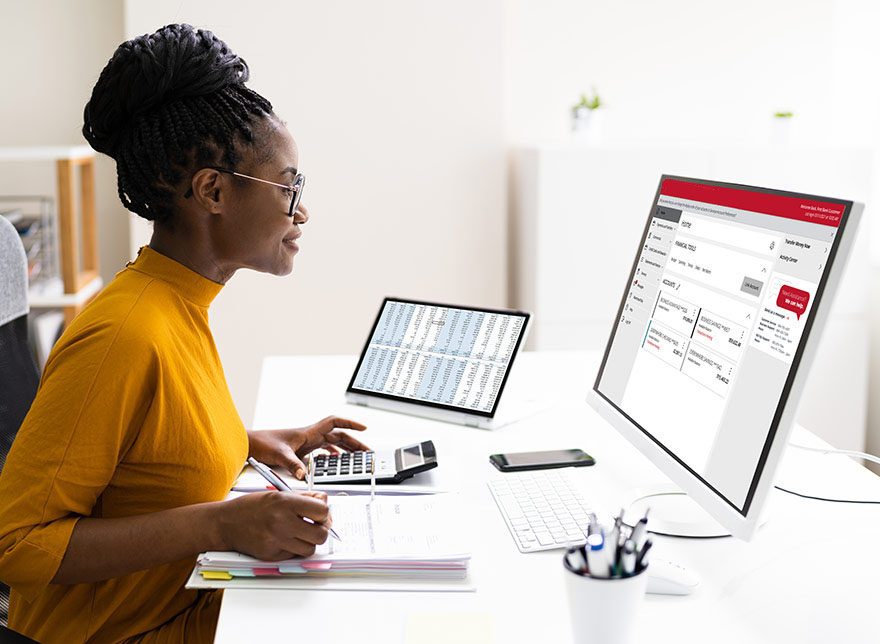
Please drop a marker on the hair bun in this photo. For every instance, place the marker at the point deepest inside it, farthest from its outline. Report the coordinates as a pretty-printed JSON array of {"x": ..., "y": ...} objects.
[{"x": 152, "y": 70}]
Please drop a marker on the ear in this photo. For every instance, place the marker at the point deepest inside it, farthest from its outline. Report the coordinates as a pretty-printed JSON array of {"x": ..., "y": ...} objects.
[{"x": 208, "y": 190}]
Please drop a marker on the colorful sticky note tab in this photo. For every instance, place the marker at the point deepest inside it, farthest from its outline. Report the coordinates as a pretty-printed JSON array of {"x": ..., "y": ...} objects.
[
  {"x": 292, "y": 568},
  {"x": 267, "y": 572},
  {"x": 215, "y": 574},
  {"x": 316, "y": 565},
  {"x": 246, "y": 572}
]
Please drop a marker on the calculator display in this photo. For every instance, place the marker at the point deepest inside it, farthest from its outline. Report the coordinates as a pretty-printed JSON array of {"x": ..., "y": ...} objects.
[{"x": 412, "y": 456}]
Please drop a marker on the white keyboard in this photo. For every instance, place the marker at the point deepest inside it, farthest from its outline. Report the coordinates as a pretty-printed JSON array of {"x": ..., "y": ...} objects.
[{"x": 543, "y": 509}]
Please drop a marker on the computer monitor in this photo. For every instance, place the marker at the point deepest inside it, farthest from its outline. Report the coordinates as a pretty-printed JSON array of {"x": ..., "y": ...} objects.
[{"x": 716, "y": 330}]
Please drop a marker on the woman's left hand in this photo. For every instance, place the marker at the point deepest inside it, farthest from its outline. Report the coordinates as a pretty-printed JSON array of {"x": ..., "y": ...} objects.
[{"x": 286, "y": 447}]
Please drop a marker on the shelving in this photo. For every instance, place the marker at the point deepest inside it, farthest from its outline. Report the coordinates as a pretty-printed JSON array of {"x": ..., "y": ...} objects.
[{"x": 76, "y": 225}]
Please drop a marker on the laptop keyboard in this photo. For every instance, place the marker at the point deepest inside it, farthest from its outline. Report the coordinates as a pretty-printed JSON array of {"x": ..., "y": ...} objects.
[{"x": 542, "y": 509}]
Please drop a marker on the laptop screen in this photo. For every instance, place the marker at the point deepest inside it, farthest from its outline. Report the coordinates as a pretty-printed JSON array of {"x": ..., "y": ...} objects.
[{"x": 443, "y": 356}]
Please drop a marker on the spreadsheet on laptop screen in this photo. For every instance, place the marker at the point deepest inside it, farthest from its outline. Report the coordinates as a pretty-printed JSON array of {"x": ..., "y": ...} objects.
[{"x": 440, "y": 355}]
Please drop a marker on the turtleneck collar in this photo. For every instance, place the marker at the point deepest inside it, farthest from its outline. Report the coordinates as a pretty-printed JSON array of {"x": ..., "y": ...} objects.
[{"x": 194, "y": 287}]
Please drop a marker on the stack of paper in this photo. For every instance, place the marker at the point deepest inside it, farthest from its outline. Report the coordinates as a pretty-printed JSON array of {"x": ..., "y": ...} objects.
[{"x": 396, "y": 537}]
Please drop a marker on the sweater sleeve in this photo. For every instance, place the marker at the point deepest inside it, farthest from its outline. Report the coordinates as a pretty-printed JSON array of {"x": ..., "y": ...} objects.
[{"x": 94, "y": 394}]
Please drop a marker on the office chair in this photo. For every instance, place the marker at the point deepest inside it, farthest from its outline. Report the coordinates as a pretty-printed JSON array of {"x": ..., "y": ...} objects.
[{"x": 19, "y": 375}]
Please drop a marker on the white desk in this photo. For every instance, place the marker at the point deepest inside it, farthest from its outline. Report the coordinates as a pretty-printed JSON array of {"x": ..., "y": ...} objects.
[{"x": 810, "y": 574}]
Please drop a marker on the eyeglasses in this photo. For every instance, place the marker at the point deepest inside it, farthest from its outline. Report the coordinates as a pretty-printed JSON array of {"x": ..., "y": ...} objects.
[{"x": 299, "y": 182}]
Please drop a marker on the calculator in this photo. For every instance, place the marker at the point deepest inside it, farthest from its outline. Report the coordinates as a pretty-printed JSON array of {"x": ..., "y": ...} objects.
[{"x": 392, "y": 466}]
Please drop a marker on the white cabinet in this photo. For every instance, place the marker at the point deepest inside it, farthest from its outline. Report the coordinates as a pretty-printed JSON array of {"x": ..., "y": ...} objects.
[{"x": 577, "y": 214}]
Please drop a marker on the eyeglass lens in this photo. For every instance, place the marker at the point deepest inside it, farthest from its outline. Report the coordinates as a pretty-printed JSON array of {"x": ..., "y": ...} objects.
[{"x": 298, "y": 185}]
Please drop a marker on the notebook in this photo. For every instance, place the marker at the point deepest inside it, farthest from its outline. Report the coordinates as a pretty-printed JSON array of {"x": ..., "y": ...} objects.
[{"x": 413, "y": 539}]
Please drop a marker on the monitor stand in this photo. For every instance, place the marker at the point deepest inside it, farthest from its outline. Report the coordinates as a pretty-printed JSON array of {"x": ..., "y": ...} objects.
[{"x": 672, "y": 513}]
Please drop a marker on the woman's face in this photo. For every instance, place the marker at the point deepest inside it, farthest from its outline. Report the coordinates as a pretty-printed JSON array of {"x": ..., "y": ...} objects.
[{"x": 257, "y": 231}]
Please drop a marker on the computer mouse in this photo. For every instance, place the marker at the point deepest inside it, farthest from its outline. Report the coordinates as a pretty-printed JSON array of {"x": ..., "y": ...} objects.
[{"x": 669, "y": 578}]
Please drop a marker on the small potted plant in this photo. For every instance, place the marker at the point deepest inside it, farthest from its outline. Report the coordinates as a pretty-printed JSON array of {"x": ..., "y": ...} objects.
[
  {"x": 781, "y": 130},
  {"x": 584, "y": 117}
]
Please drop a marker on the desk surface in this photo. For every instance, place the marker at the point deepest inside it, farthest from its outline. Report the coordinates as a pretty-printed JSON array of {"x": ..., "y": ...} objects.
[{"x": 809, "y": 575}]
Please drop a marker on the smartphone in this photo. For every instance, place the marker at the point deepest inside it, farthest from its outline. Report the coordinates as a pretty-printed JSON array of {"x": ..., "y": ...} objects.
[{"x": 517, "y": 461}]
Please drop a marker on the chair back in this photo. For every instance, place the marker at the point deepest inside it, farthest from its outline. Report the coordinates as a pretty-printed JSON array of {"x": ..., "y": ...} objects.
[{"x": 19, "y": 375}]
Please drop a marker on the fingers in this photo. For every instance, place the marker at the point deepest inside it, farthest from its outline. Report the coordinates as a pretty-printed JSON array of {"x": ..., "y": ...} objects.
[
  {"x": 345, "y": 440},
  {"x": 331, "y": 422},
  {"x": 310, "y": 506},
  {"x": 291, "y": 548},
  {"x": 292, "y": 462},
  {"x": 305, "y": 517}
]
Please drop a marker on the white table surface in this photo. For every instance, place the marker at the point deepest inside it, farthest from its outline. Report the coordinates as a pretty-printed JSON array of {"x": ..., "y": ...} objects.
[{"x": 809, "y": 575}]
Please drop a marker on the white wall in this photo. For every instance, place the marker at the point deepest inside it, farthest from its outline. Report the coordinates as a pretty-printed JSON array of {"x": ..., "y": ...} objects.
[
  {"x": 53, "y": 51},
  {"x": 687, "y": 74},
  {"x": 396, "y": 107},
  {"x": 685, "y": 70}
]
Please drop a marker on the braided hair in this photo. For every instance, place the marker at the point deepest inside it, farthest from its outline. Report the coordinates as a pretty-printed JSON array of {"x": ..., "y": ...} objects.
[{"x": 166, "y": 105}]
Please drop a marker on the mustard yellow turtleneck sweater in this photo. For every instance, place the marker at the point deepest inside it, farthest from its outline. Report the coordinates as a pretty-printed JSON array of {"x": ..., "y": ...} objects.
[{"x": 133, "y": 415}]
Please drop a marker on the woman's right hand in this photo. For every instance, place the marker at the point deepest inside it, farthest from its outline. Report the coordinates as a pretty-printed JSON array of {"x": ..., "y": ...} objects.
[{"x": 271, "y": 526}]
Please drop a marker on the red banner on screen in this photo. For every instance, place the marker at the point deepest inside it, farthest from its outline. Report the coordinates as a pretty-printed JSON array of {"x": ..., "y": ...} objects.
[{"x": 817, "y": 212}]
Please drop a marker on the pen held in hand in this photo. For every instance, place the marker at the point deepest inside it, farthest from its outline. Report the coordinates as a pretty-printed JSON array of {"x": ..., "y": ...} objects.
[{"x": 279, "y": 483}]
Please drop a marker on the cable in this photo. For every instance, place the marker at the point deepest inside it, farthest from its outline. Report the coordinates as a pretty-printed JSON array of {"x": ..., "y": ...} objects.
[
  {"x": 846, "y": 452},
  {"x": 819, "y": 498}
]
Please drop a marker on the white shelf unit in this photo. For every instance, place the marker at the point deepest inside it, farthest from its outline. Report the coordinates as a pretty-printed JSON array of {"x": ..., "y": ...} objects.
[{"x": 577, "y": 212}]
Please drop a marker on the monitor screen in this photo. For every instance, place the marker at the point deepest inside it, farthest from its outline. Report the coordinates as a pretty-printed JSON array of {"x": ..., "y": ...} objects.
[
  {"x": 713, "y": 322},
  {"x": 443, "y": 356}
]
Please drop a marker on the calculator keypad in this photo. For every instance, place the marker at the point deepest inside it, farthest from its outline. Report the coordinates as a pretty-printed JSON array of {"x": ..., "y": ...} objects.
[{"x": 345, "y": 464}]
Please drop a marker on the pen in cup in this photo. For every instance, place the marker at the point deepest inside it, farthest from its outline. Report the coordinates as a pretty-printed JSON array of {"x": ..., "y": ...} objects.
[
  {"x": 642, "y": 555},
  {"x": 597, "y": 559},
  {"x": 279, "y": 483}
]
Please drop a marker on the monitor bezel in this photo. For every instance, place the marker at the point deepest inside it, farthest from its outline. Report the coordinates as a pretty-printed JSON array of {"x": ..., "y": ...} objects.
[
  {"x": 741, "y": 522},
  {"x": 351, "y": 389}
]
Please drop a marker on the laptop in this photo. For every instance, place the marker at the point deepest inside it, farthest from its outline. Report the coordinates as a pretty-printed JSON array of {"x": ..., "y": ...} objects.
[{"x": 439, "y": 361}]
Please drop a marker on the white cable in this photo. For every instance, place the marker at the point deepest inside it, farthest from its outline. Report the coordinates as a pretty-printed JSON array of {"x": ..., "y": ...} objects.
[{"x": 822, "y": 450}]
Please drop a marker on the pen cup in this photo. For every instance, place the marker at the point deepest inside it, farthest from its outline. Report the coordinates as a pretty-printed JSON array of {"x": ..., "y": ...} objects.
[{"x": 604, "y": 610}]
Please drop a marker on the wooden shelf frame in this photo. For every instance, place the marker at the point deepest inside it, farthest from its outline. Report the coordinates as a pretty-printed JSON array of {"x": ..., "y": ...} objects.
[
  {"x": 80, "y": 274},
  {"x": 77, "y": 272}
]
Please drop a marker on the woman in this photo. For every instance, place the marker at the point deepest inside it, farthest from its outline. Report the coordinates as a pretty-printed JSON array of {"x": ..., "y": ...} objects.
[{"x": 116, "y": 479}]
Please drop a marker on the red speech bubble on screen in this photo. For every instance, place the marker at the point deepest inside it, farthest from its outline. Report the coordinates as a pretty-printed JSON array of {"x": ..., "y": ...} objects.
[{"x": 793, "y": 299}]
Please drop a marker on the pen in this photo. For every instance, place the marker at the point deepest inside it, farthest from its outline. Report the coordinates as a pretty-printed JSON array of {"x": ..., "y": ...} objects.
[
  {"x": 279, "y": 483},
  {"x": 639, "y": 531},
  {"x": 642, "y": 557},
  {"x": 611, "y": 548},
  {"x": 628, "y": 558},
  {"x": 594, "y": 524},
  {"x": 576, "y": 559},
  {"x": 372, "y": 480},
  {"x": 597, "y": 561},
  {"x": 311, "y": 473},
  {"x": 267, "y": 474}
]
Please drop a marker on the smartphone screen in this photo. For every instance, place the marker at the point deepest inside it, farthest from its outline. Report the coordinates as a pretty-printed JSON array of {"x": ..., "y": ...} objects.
[{"x": 541, "y": 460}]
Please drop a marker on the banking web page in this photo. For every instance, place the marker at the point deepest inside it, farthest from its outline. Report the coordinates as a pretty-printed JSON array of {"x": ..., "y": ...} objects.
[{"x": 724, "y": 284}]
